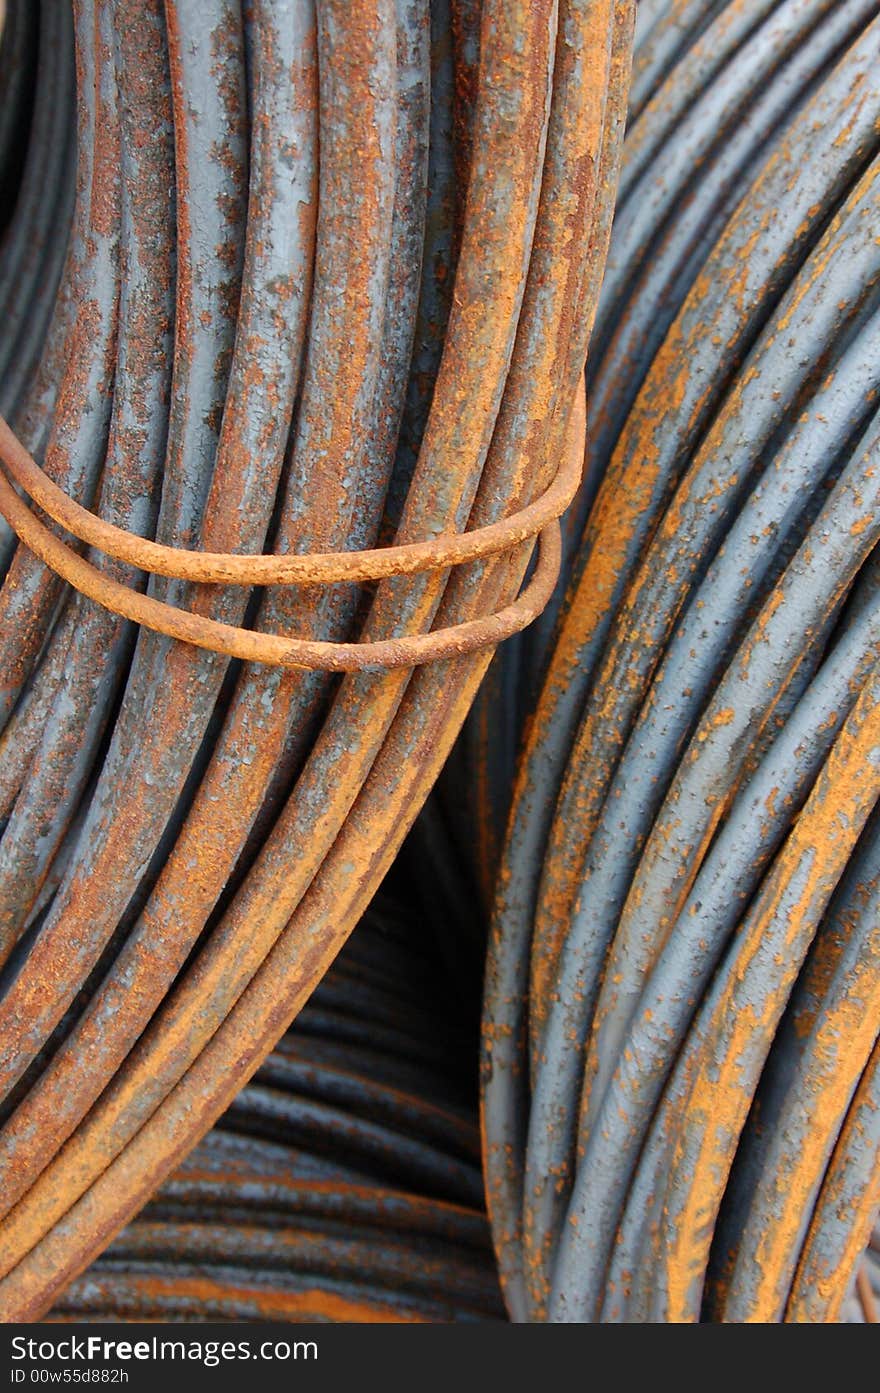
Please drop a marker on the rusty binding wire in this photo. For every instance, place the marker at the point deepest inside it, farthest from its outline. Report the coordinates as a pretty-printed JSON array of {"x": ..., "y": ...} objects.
[{"x": 467, "y": 636}]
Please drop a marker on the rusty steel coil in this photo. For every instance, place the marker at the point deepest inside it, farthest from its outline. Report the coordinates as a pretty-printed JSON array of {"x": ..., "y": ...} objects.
[
  {"x": 343, "y": 1183},
  {"x": 300, "y": 280},
  {"x": 761, "y": 61},
  {"x": 683, "y": 998},
  {"x": 296, "y": 427}
]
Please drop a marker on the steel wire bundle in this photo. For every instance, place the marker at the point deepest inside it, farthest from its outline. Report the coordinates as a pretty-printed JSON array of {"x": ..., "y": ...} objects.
[
  {"x": 294, "y": 314},
  {"x": 683, "y": 996},
  {"x": 327, "y": 285},
  {"x": 342, "y": 1184}
]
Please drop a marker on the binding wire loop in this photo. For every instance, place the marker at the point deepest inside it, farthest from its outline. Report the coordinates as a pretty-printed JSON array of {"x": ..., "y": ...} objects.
[{"x": 538, "y": 519}]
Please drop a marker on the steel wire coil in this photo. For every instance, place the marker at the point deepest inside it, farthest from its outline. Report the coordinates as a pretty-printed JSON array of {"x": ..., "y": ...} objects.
[
  {"x": 680, "y": 1030},
  {"x": 342, "y": 1184},
  {"x": 663, "y": 237},
  {"x": 680, "y": 998},
  {"x": 254, "y": 349}
]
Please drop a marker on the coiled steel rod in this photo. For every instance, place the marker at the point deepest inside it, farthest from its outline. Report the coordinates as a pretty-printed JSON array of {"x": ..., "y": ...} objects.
[
  {"x": 364, "y": 359},
  {"x": 704, "y": 734}
]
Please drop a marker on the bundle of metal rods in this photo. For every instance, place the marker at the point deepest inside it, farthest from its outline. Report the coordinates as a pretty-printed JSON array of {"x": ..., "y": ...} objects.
[
  {"x": 343, "y": 1183},
  {"x": 327, "y": 284},
  {"x": 296, "y": 298},
  {"x": 680, "y": 1057}
]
